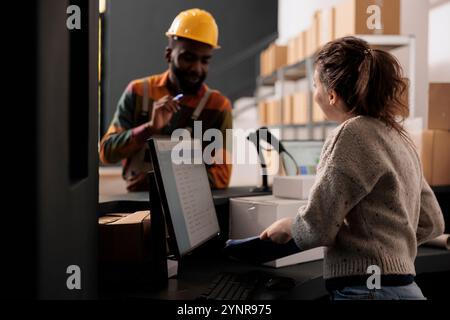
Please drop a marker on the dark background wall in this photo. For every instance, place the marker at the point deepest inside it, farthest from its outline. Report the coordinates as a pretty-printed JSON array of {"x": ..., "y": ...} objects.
[
  {"x": 50, "y": 201},
  {"x": 135, "y": 41},
  {"x": 66, "y": 161}
]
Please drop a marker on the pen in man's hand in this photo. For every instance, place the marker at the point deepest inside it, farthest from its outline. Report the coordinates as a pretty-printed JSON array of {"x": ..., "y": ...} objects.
[{"x": 177, "y": 98}]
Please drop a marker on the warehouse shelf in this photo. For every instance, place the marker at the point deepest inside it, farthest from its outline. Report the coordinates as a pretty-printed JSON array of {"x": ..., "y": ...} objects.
[
  {"x": 304, "y": 70},
  {"x": 299, "y": 70},
  {"x": 291, "y": 73}
]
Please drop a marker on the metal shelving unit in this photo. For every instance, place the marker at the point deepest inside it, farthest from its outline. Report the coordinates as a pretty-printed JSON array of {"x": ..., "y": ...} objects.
[{"x": 304, "y": 70}]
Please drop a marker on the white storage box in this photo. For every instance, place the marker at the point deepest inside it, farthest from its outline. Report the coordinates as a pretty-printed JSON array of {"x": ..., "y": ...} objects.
[
  {"x": 249, "y": 216},
  {"x": 293, "y": 187}
]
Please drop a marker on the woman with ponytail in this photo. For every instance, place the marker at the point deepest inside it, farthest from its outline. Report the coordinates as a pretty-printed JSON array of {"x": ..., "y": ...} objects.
[{"x": 370, "y": 206}]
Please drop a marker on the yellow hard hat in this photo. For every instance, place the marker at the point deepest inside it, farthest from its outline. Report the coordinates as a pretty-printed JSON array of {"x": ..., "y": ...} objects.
[{"x": 195, "y": 24}]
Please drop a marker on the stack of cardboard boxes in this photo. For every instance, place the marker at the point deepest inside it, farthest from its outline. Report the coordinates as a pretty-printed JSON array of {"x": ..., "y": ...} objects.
[
  {"x": 270, "y": 112},
  {"x": 272, "y": 59},
  {"x": 355, "y": 17},
  {"x": 434, "y": 143},
  {"x": 350, "y": 17},
  {"x": 308, "y": 42},
  {"x": 273, "y": 112},
  {"x": 291, "y": 110}
]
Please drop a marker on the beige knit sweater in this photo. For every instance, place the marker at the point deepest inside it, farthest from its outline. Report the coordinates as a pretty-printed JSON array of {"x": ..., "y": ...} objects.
[{"x": 370, "y": 204}]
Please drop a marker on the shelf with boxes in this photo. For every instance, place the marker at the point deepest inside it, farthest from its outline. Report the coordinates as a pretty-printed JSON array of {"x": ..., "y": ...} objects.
[
  {"x": 299, "y": 69},
  {"x": 277, "y": 109},
  {"x": 433, "y": 142},
  {"x": 283, "y": 105},
  {"x": 289, "y": 109}
]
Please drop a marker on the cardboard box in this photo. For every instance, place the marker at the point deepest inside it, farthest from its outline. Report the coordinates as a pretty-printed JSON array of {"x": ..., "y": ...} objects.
[
  {"x": 439, "y": 106},
  {"x": 277, "y": 57},
  {"x": 125, "y": 251},
  {"x": 270, "y": 60},
  {"x": 434, "y": 150},
  {"x": 124, "y": 237},
  {"x": 327, "y": 19},
  {"x": 262, "y": 113},
  {"x": 313, "y": 36},
  {"x": 262, "y": 63},
  {"x": 352, "y": 17},
  {"x": 269, "y": 113},
  {"x": 300, "y": 108},
  {"x": 273, "y": 112},
  {"x": 302, "y": 45},
  {"x": 318, "y": 115},
  {"x": 278, "y": 112},
  {"x": 265, "y": 63},
  {"x": 292, "y": 51},
  {"x": 288, "y": 102},
  {"x": 293, "y": 187},
  {"x": 250, "y": 216}
]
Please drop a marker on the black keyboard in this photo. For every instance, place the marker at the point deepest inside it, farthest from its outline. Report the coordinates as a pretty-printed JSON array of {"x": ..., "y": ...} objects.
[{"x": 234, "y": 286}]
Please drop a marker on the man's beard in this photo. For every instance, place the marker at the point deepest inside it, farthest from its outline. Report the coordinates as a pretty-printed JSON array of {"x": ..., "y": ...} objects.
[{"x": 187, "y": 86}]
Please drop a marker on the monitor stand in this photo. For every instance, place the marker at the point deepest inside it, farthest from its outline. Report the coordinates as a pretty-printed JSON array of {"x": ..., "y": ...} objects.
[{"x": 265, "y": 184}]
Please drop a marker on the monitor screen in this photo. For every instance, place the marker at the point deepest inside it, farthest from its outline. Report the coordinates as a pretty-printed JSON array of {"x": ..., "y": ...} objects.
[
  {"x": 306, "y": 154},
  {"x": 184, "y": 192}
]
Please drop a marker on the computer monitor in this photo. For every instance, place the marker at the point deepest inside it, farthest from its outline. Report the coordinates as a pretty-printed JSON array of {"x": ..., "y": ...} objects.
[
  {"x": 184, "y": 193},
  {"x": 306, "y": 154}
]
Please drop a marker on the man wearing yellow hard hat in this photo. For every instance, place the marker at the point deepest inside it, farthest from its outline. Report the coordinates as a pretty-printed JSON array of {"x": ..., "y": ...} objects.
[{"x": 159, "y": 104}]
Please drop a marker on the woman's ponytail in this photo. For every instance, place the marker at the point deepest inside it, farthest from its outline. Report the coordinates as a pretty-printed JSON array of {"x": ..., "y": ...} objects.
[
  {"x": 370, "y": 81},
  {"x": 363, "y": 81}
]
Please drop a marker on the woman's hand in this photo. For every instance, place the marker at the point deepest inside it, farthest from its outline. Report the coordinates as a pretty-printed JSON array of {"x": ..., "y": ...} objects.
[{"x": 279, "y": 231}]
